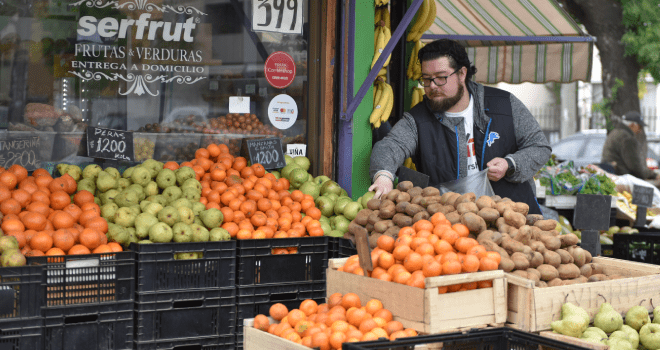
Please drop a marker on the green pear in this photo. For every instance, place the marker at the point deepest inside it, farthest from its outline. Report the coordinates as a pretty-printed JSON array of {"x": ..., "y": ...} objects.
[
  {"x": 276, "y": 174},
  {"x": 198, "y": 221},
  {"x": 108, "y": 211},
  {"x": 633, "y": 336},
  {"x": 141, "y": 176},
  {"x": 182, "y": 202},
  {"x": 192, "y": 183},
  {"x": 597, "y": 331},
  {"x": 61, "y": 168},
  {"x": 143, "y": 223},
  {"x": 91, "y": 171},
  {"x": 186, "y": 256},
  {"x": 145, "y": 241},
  {"x": 154, "y": 166},
  {"x": 151, "y": 189},
  {"x": 128, "y": 172},
  {"x": 619, "y": 344},
  {"x": 127, "y": 198},
  {"x": 159, "y": 198},
  {"x": 574, "y": 321},
  {"x": 191, "y": 194},
  {"x": 340, "y": 203},
  {"x": 105, "y": 182},
  {"x": 184, "y": 173},
  {"x": 303, "y": 162},
  {"x": 144, "y": 203},
  {"x": 152, "y": 208},
  {"x": 135, "y": 209},
  {"x": 637, "y": 316},
  {"x": 169, "y": 215},
  {"x": 288, "y": 159},
  {"x": 656, "y": 314},
  {"x": 125, "y": 217},
  {"x": 649, "y": 336},
  {"x": 200, "y": 233},
  {"x": 117, "y": 233},
  {"x": 172, "y": 193},
  {"x": 330, "y": 187},
  {"x": 74, "y": 171},
  {"x": 219, "y": 234},
  {"x": 109, "y": 196},
  {"x": 113, "y": 171},
  {"x": 132, "y": 236},
  {"x": 182, "y": 232},
  {"x": 166, "y": 178},
  {"x": 311, "y": 189},
  {"x": 286, "y": 171},
  {"x": 8, "y": 243},
  {"x": 336, "y": 233},
  {"x": 12, "y": 258},
  {"x": 198, "y": 207},
  {"x": 87, "y": 185},
  {"x": 160, "y": 233},
  {"x": 122, "y": 184},
  {"x": 138, "y": 189},
  {"x": 186, "y": 215},
  {"x": 366, "y": 198},
  {"x": 321, "y": 179},
  {"x": 211, "y": 217},
  {"x": 608, "y": 319}
]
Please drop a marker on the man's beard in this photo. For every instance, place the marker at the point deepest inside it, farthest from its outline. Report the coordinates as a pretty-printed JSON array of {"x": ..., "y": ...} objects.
[{"x": 446, "y": 103}]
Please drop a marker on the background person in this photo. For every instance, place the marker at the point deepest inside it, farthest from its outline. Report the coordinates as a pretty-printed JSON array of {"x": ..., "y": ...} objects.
[
  {"x": 461, "y": 128},
  {"x": 622, "y": 149}
]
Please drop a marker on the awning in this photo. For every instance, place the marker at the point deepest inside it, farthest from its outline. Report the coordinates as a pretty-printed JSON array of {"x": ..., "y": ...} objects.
[{"x": 516, "y": 41}]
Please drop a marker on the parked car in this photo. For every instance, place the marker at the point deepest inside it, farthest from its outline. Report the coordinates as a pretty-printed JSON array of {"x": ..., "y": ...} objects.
[{"x": 586, "y": 147}]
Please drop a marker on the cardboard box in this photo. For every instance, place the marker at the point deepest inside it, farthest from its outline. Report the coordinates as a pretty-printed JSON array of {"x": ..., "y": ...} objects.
[
  {"x": 532, "y": 309},
  {"x": 425, "y": 310},
  {"x": 255, "y": 339}
]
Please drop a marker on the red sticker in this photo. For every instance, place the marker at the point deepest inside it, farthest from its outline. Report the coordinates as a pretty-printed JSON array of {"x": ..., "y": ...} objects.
[{"x": 280, "y": 69}]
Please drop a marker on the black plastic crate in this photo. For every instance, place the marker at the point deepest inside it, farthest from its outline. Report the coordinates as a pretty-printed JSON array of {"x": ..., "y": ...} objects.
[
  {"x": 223, "y": 342},
  {"x": 95, "y": 327},
  {"x": 21, "y": 294},
  {"x": 476, "y": 339},
  {"x": 159, "y": 271},
  {"x": 257, "y": 265},
  {"x": 346, "y": 248},
  {"x": 185, "y": 314},
  {"x": 87, "y": 279},
  {"x": 258, "y": 300},
  {"x": 22, "y": 334},
  {"x": 643, "y": 247},
  {"x": 333, "y": 247}
]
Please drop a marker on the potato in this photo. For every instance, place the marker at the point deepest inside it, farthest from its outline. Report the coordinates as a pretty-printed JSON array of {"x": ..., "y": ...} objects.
[
  {"x": 362, "y": 217},
  {"x": 597, "y": 278},
  {"x": 485, "y": 202},
  {"x": 568, "y": 271},
  {"x": 581, "y": 279},
  {"x": 569, "y": 239},
  {"x": 373, "y": 204},
  {"x": 401, "y": 207},
  {"x": 507, "y": 200},
  {"x": 444, "y": 199},
  {"x": 514, "y": 219},
  {"x": 551, "y": 258},
  {"x": 374, "y": 217},
  {"x": 453, "y": 217},
  {"x": 521, "y": 208},
  {"x": 551, "y": 242},
  {"x": 566, "y": 257},
  {"x": 496, "y": 198},
  {"x": 370, "y": 228},
  {"x": 512, "y": 246},
  {"x": 356, "y": 229},
  {"x": 391, "y": 196},
  {"x": 532, "y": 218},
  {"x": 386, "y": 203},
  {"x": 402, "y": 220},
  {"x": 436, "y": 208},
  {"x": 467, "y": 207},
  {"x": 473, "y": 222},
  {"x": 381, "y": 226},
  {"x": 528, "y": 252},
  {"x": 422, "y": 215},
  {"x": 536, "y": 232},
  {"x": 548, "y": 272},
  {"x": 520, "y": 273},
  {"x": 494, "y": 236},
  {"x": 596, "y": 269},
  {"x": 502, "y": 207},
  {"x": 403, "y": 197},
  {"x": 546, "y": 225},
  {"x": 585, "y": 270},
  {"x": 524, "y": 235},
  {"x": 468, "y": 197},
  {"x": 489, "y": 214},
  {"x": 587, "y": 256},
  {"x": 553, "y": 233},
  {"x": 500, "y": 222},
  {"x": 537, "y": 260},
  {"x": 533, "y": 271},
  {"x": 387, "y": 212},
  {"x": 492, "y": 247},
  {"x": 556, "y": 282},
  {"x": 430, "y": 191},
  {"x": 506, "y": 264},
  {"x": 541, "y": 284},
  {"x": 373, "y": 240},
  {"x": 413, "y": 209},
  {"x": 614, "y": 277},
  {"x": 417, "y": 199},
  {"x": 393, "y": 232},
  {"x": 537, "y": 246},
  {"x": 579, "y": 256},
  {"x": 426, "y": 201},
  {"x": 504, "y": 228},
  {"x": 415, "y": 191},
  {"x": 404, "y": 186}
]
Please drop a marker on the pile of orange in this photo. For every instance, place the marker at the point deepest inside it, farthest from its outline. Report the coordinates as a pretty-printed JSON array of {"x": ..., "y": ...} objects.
[
  {"x": 254, "y": 203},
  {"x": 47, "y": 218},
  {"x": 327, "y": 326},
  {"x": 428, "y": 249}
]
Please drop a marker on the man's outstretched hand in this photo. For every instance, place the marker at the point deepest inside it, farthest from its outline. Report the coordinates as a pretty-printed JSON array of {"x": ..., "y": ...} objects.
[{"x": 383, "y": 185}]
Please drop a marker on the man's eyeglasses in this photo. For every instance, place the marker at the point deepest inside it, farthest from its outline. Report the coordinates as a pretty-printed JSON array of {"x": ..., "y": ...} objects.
[{"x": 438, "y": 81}]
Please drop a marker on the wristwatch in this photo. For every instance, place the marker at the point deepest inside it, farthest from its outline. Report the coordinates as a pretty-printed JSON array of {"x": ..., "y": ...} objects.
[{"x": 511, "y": 169}]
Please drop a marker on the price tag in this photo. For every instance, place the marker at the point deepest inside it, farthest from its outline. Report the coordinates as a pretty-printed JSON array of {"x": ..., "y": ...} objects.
[
  {"x": 267, "y": 152},
  {"x": 280, "y": 16},
  {"x": 642, "y": 196},
  {"x": 592, "y": 212},
  {"x": 110, "y": 144},
  {"x": 23, "y": 151},
  {"x": 296, "y": 150},
  {"x": 418, "y": 179},
  {"x": 239, "y": 104}
]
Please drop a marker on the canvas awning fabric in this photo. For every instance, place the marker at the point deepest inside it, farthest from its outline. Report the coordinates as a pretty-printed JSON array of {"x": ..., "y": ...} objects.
[{"x": 516, "y": 41}]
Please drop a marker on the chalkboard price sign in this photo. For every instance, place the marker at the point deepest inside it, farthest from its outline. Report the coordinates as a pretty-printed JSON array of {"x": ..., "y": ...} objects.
[
  {"x": 267, "y": 152},
  {"x": 110, "y": 144},
  {"x": 22, "y": 151},
  {"x": 642, "y": 196}
]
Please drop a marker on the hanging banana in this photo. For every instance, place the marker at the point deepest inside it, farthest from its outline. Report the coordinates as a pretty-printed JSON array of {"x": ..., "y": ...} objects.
[
  {"x": 383, "y": 35},
  {"x": 429, "y": 21},
  {"x": 382, "y": 103},
  {"x": 414, "y": 67},
  {"x": 378, "y": 16},
  {"x": 385, "y": 17},
  {"x": 417, "y": 96},
  {"x": 422, "y": 15},
  {"x": 390, "y": 103}
]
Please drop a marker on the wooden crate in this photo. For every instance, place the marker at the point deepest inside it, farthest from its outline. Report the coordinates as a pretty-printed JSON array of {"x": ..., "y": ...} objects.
[
  {"x": 425, "y": 310},
  {"x": 255, "y": 339},
  {"x": 532, "y": 309},
  {"x": 573, "y": 340}
]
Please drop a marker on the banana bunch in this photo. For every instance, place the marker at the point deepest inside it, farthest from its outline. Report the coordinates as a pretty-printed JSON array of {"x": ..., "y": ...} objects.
[
  {"x": 417, "y": 96},
  {"x": 414, "y": 71},
  {"x": 381, "y": 2},
  {"x": 424, "y": 20},
  {"x": 408, "y": 163},
  {"x": 382, "y": 36},
  {"x": 383, "y": 14},
  {"x": 383, "y": 103}
]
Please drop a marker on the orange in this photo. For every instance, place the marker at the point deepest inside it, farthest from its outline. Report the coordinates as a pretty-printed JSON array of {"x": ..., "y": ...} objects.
[
  {"x": 39, "y": 207},
  {"x": 470, "y": 263},
  {"x": 55, "y": 251},
  {"x": 40, "y": 196},
  {"x": 386, "y": 243},
  {"x": 34, "y": 221},
  {"x": 261, "y": 322},
  {"x": 62, "y": 219},
  {"x": 22, "y": 196},
  {"x": 295, "y": 316},
  {"x": 367, "y": 325},
  {"x": 90, "y": 238},
  {"x": 384, "y": 314},
  {"x": 437, "y": 218},
  {"x": 74, "y": 211},
  {"x": 79, "y": 249},
  {"x": 41, "y": 241},
  {"x": 59, "y": 199},
  {"x": 451, "y": 267},
  {"x": 20, "y": 172},
  {"x": 432, "y": 269},
  {"x": 463, "y": 244},
  {"x": 63, "y": 240},
  {"x": 309, "y": 307},
  {"x": 487, "y": 264},
  {"x": 461, "y": 229},
  {"x": 82, "y": 197},
  {"x": 278, "y": 311},
  {"x": 401, "y": 252},
  {"x": 335, "y": 299},
  {"x": 413, "y": 262},
  {"x": 10, "y": 206},
  {"x": 373, "y": 305},
  {"x": 9, "y": 225},
  {"x": 423, "y": 225},
  {"x": 321, "y": 340},
  {"x": 98, "y": 223},
  {"x": 393, "y": 326},
  {"x": 350, "y": 300},
  {"x": 8, "y": 179},
  {"x": 336, "y": 339},
  {"x": 115, "y": 247},
  {"x": 87, "y": 215}
]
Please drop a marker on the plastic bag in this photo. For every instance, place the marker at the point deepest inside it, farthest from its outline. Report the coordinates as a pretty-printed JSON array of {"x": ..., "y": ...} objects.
[
  {"x": 477, "y": 183},
  {"x": 562, "y": 179},
  {"x": 630, "y": 181}
]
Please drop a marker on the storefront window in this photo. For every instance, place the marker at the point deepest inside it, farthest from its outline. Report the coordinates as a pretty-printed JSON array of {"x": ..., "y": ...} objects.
[{"x": 161, "y": 68}]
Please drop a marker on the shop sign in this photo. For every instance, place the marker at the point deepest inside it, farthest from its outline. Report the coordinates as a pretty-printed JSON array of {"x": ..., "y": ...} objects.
[
  {"x": 267, "y": 152},
  {"x": 280, "y": 69},
  {"x": 296, "y": 150},
  {"x": 282, "y": 111},
  {"x": 21, "y": 150},
  {"x": 110, "y": 144},
  {"x": 279, "y": 16},
  {"x": 97, "y": 61}
]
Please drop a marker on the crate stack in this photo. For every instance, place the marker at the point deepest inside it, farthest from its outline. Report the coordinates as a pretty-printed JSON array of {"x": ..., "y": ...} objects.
[
  {"x": 185, "y": 303},
  {"x": 339, "y": 247},
  {"x": 21, "y": 322},
  {"x": 265, "y": 277},
  {"x": 87, "y": 301}
]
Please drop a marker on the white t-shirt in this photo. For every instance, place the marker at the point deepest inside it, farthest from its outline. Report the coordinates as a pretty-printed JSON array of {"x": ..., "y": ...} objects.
[{"x": 468, "y": 121}]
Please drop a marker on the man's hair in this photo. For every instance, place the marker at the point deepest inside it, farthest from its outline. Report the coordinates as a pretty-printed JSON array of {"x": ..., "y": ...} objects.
[{"x": 451, "y": 49}]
